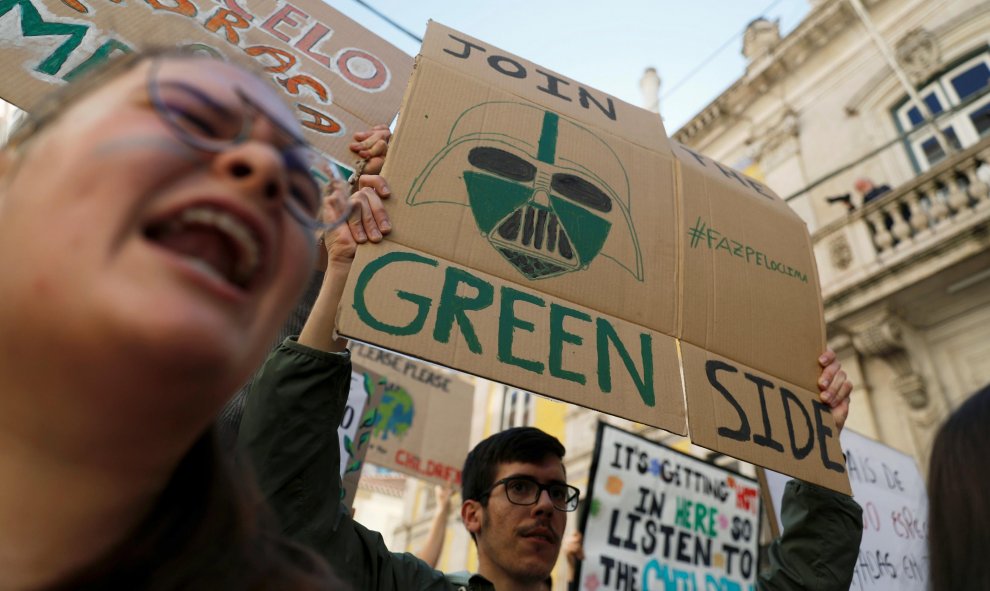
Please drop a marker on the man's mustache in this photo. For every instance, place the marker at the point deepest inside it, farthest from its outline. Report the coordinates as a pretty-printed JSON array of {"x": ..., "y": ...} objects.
[{"x": 543, "y": 529}]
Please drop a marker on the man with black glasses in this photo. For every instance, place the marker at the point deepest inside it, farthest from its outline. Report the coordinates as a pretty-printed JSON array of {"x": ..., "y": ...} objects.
[{"x": 516, "y": 501}]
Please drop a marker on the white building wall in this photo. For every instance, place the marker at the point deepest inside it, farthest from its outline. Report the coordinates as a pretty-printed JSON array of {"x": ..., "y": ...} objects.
[{"x": 823, "y": 98}]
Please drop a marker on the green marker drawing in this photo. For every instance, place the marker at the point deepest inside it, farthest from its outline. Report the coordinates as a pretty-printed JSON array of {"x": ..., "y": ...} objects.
[{"x": 551, "y": 199}]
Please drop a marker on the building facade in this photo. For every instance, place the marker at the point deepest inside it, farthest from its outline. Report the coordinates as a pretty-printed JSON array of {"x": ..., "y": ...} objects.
[{"x": 904, "y": 267}]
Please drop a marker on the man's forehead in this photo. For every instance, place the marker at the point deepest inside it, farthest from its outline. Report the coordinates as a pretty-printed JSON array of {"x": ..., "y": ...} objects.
[{"x": 549, "y": 469}]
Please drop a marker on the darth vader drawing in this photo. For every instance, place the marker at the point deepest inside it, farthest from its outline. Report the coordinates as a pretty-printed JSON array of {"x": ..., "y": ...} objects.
[{"x": 548, "y": 194}]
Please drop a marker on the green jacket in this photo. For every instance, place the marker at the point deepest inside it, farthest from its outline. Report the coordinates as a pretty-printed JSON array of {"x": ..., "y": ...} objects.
[{"x": 288, "y": 434}]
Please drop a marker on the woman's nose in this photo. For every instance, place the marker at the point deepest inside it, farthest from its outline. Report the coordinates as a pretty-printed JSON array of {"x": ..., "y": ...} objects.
[{"x": 257, "y": 169}]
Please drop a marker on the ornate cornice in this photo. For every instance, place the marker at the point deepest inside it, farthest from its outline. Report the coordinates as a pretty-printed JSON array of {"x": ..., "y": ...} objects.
[
  {"x": 881, "y": 335},
  {"x": 826, "y": 21}
]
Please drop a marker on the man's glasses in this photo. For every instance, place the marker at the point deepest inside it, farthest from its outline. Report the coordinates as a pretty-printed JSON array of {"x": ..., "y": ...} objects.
[
  {"x": 208, "y": 122},
  {"x": 523, "y": 490}
]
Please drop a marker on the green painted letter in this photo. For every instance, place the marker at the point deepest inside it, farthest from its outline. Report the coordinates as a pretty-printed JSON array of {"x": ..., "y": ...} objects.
[
  {"x": 99, "y": 57},
  {"x": 423, "y": 302},
  {"x": 452, "y": 307},
  {"x": 33, "y": 24},
  {"x": 507, "y": 323},
  {"x": 606, "y": 333},
  {"x": 559, "y": 336}
]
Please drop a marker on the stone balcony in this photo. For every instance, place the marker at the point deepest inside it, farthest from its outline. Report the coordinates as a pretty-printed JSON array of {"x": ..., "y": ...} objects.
[{"x": 937, "y": 219}]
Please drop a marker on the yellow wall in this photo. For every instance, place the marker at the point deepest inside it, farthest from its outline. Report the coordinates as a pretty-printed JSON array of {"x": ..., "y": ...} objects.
[{"x": 549, "y": 416}]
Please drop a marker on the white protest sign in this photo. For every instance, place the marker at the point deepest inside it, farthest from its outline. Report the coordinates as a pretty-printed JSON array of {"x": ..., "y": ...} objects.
[
  {"x": 887, "y": 484},
  {"x": 357, "y": 400},
  {"x": 660, "y": 519},
  {"x": 354, "y": 431}
]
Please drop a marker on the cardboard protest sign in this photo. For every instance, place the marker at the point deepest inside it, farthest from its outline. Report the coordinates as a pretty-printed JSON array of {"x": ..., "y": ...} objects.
[
  {"x": 748, "y": 414},
  {"x": 340, "y": 77},
  {"x": 552, "y": 311},
  {"x": 893, "y": 555},
  {"x": 422, "y": 423},
  {"x": 354, "y": 432},
  {"x": 551, "y": 237},
  {"x": 660, "y": 519}
]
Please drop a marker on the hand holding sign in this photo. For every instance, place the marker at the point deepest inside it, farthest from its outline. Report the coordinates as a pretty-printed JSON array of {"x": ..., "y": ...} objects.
[
  {"x": 574, "y": 551},
  {"x": 372, "y": 146},
  {"x": 368, "y": 221},
  {"x": 835, "y": 387}
]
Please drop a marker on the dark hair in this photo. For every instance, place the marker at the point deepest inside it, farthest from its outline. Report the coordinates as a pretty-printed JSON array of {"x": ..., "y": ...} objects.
[
  {"x": 958, "y": 501},
  {"x": 208, "y": 530},
  {"x": 519, "y": 444}
]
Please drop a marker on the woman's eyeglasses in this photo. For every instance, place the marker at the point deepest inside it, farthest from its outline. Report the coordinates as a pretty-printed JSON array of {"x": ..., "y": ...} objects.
[{"x": 208, "y": 122}]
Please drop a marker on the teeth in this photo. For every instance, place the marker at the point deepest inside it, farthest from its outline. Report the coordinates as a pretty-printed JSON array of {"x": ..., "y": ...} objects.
[
  {"x": 248, "y": 247},
  {"x": 205, "y": 268}
]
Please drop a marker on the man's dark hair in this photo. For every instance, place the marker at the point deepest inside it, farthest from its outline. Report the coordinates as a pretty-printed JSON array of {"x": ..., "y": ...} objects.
[{"x": 518, "y": 444}]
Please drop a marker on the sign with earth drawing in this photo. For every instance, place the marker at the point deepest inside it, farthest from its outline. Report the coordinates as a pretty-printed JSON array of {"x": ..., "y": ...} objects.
[
  {"x": 552, "y": 238},
  {"x": 422, "y": 420},
  {"x": 355, "y": 429}
]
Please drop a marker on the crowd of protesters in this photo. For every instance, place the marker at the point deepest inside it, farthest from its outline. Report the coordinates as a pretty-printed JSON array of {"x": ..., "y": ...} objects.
[{"x": 158, "y": 225}]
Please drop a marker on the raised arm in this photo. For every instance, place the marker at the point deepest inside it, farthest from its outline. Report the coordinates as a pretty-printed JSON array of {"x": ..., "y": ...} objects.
[
  {"x": 821, "y": 529},
  {"x": 368, "y": 223},
  {"x": 433, "y": 546},
  {"x": 297, "y": 401}
]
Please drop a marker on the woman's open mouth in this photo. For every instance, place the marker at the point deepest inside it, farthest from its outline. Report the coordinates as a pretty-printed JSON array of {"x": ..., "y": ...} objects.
[{"x": 215, "y": 240}]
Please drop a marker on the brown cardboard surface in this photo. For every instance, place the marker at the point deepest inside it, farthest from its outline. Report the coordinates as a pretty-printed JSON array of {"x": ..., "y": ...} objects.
[
  {"x": 418, "y": 303},
  {"x": 427, "y": 165},
  {"x": 749, "y": 288},
  {"x": 340, "y": 77},
  {"x": 563, "y": 245},
  {"x": 496, "y": 68},
  {"x": 423, "y": 415},
  {"x": 761, "y": 419}
]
